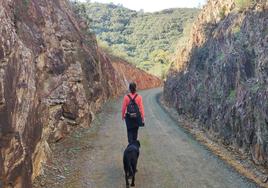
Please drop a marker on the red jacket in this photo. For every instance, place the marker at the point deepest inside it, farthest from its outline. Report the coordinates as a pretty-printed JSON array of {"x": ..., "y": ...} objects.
[{"x": 126, "y": 101}]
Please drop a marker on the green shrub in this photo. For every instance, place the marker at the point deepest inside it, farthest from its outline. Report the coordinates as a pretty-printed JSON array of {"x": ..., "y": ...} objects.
[
  {"x": 266, "y": 32},
  {"x": 232, "y": 95},
  {"x": 223, "y": 12},
  {"x": 26, "y": 3},
  {"x": 221, "y": 56},
  {"x": 141, "y": 37},
  {"x": 236, "y": 31},
  {"x": 243, "y": 4}
]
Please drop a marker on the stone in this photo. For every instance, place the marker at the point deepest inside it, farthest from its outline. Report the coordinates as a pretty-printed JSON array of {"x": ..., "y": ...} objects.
[
  {"x": 220, "y": 77},
  {"x": 50, "y": 80}
]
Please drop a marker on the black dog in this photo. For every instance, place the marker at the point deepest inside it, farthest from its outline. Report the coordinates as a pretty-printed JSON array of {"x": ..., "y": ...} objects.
[{"x": 130, "y": 159}]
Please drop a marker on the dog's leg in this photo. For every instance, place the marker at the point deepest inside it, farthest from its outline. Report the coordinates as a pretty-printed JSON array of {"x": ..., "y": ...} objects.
[
  {"x": 126, "y": 177},
  {"x": 133, "y": 180},
  {"x": 136, "y": 164}
]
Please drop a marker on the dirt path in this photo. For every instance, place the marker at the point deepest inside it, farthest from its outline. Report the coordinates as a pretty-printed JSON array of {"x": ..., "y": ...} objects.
[{"x": 169, "y": 157}]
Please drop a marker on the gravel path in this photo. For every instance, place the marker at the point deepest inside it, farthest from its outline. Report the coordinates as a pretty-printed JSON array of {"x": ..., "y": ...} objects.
[{"x": 169, "y": 157}]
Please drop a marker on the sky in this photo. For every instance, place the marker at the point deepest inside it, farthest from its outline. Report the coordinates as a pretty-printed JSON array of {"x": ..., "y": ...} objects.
[{"x": 154, "y": 5}]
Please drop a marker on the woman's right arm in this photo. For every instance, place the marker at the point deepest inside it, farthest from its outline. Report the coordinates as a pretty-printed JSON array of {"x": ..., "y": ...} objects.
[{"x": 124, "y": 106}]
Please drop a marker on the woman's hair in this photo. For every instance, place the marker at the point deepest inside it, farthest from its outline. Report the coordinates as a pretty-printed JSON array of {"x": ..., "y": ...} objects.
[{"x": 132, "y": 87}]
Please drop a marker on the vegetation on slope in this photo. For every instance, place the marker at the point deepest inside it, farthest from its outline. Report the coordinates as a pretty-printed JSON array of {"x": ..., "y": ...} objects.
[{"x": 145, "y": 39}]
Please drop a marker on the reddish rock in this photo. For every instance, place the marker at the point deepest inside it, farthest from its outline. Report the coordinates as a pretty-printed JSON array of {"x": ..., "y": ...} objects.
[
  {"x": 52, "y": 79},
  {"x": 130, "y": 73}
]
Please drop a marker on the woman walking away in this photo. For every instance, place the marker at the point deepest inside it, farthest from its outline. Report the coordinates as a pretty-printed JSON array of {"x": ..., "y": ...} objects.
[{"x": 133, "y": 113}]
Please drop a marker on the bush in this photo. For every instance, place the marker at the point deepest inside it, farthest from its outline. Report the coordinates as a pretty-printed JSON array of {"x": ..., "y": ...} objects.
[
  {"x": 26, "y": 3},
  {"x": 232, "y": 96},
  {"x": 138, "y": 36},
  {"x": 223, "y": 12},
  {"x": 243, "y": 4}
]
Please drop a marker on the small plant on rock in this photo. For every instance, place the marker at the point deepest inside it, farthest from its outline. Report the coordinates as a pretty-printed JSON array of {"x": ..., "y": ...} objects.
[
  {"x": 223, "y": 12},
  {"x": 232, "y": 95},
  {"x": 243, "y": 4}
]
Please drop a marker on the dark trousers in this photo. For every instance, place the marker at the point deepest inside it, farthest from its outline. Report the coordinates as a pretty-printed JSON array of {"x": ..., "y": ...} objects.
[
  {"x": 132, "y": 134},
  {"x": 132, "y": 130}
]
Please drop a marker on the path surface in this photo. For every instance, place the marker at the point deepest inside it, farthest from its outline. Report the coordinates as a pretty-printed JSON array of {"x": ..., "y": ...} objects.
[{"x": 169, "y": 158}]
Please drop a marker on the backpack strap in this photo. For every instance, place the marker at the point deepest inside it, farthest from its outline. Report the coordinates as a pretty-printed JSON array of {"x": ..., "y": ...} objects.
[{"x": 133, "y": 97}]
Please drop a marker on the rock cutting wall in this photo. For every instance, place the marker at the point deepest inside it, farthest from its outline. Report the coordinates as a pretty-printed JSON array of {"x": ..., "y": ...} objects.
[
  {"x": 53, "y": 78},
  {"x": 221, "y": 77},
  {"x": 130, "y": 73}
]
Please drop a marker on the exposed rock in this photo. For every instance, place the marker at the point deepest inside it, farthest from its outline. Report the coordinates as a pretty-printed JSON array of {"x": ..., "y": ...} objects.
[
  {"x": 52, "y": 79},
  {"x": 221, "y": 77},
  {"x": 130, "y": 73}
]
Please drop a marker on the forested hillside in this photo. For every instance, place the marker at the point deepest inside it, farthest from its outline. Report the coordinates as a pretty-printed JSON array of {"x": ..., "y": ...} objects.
[{"x": 145, "y": 39}]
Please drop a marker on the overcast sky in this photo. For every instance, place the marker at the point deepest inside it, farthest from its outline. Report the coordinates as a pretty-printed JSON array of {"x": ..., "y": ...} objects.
[{"x": 153, "y": 5}]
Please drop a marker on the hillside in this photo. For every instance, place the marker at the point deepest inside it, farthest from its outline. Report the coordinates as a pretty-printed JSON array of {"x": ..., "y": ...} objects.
[
  {"x": 221, "y": 77},
  {"x": 146, "y": 39},
  {"x": 53, "y": 79}
]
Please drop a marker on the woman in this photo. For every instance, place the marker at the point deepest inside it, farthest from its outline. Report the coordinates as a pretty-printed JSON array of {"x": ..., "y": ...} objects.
[{"x": 132, "y": 123}]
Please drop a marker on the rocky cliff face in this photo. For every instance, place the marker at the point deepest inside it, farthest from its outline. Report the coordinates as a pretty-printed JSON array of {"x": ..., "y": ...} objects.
[
  {"x": 52, "y": 79},
  {"x": 221, "y": 77},
  {"x": 129, "y": 73}
]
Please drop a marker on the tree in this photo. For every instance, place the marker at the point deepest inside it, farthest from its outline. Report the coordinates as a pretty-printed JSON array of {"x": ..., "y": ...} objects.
[{"x": 139, "y": 37}]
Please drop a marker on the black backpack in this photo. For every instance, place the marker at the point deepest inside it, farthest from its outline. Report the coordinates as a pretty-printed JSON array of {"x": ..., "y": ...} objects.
[{"x": 133, "y": 111}]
